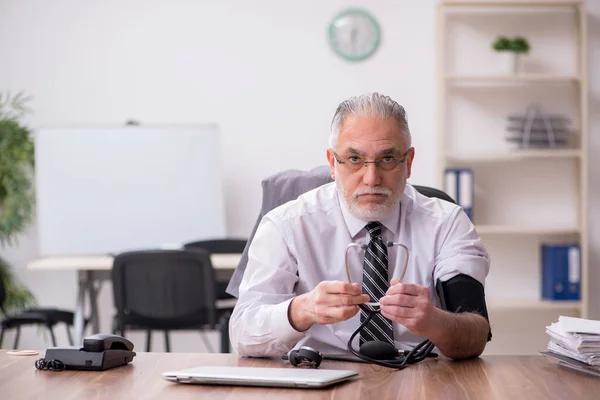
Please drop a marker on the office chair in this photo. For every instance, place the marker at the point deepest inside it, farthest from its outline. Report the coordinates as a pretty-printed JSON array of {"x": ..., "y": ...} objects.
[
  {"x": 287, "y": 185},
  {"x": 48, "y": 317},
  {"x": 164, "y": 290},
  {"x": 433, "y": 192},
  {"x": 219, "y": 246},
  {"x": 225, "y": 302}
]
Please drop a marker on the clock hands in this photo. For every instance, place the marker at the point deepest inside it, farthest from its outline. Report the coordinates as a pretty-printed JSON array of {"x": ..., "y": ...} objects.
[{"x": 353, "y": 36}]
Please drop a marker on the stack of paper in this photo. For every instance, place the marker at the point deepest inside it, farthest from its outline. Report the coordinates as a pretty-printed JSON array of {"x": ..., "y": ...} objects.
[{"x": 575, "y": 343}]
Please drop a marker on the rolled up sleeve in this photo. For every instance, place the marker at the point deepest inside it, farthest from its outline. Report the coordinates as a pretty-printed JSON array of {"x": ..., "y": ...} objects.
[
  {"x": 259, "y": 324},
  {"x": 462, "y": 251}
]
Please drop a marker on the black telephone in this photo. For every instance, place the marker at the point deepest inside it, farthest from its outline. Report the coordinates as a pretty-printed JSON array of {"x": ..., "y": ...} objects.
[{"x": 99, "y": 352}]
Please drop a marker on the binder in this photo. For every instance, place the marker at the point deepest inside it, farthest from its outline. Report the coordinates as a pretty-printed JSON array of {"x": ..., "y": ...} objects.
[
  {"x": 458, "y": 184},
  {"x": 574, "y": 273},
  {"x": 561, "y": 272}
]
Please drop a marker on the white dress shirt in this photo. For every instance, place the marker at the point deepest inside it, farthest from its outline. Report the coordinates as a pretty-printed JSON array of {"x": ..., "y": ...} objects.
[{"x": 303, "y": 242}]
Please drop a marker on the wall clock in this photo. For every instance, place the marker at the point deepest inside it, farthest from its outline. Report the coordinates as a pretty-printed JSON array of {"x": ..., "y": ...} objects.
[{"x": 354, "y": 34}]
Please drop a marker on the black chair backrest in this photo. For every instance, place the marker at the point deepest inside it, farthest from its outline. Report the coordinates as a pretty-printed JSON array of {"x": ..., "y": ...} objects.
[
  {"x": 218, "y": 246},
  {"x": 288, "y": 185},
  {"x": 164, "y": 289},
  {"x": 433, "y": 192}
]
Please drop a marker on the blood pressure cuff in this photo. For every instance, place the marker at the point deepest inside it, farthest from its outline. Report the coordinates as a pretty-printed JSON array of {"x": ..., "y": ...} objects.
[{"x": 463, "y": 293}]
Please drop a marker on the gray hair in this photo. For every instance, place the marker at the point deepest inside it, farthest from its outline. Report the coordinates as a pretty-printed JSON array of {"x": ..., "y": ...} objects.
[{"x": 369, "y": 105}]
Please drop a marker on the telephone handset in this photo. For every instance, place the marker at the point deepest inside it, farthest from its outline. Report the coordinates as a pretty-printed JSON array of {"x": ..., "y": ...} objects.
[
  {"x": 99, "y": 352},
  {"x": 104, "y": 341}
]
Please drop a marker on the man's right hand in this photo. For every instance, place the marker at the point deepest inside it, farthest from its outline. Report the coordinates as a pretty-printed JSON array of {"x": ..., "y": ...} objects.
[{"x": 328, "y": 303}]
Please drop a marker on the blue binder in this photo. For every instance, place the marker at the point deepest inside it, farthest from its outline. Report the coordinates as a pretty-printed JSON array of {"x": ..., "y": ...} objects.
[
  {"x": 458, "y": 184},
  {"x": 561, "y": 272}
]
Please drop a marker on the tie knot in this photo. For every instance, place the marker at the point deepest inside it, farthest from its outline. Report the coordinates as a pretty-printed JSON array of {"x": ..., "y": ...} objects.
[{"x": 374, "y": 228}]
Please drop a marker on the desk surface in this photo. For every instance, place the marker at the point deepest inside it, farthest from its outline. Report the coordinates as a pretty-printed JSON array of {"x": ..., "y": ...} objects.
[
  {"x": 105, "y": 262},
  {"x": 490, "y": 377}
]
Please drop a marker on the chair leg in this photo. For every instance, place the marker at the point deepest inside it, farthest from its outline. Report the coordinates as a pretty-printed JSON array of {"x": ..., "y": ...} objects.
[
  {"x": 16, "y": 344},
  {"x": 224, "y": 328},
  {"x": 206, "y": 342},
  {"x": 52, "y": 337},
  {"x": 69, "y": 335},
  {"x": 167, "y": 344},
  {"x": 148, "y": 340},
  {"x": 118, "y": 326}
]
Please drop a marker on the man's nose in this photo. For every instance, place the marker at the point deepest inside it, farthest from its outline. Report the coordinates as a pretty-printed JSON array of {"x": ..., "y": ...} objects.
[{"x": 371, "y": 175}]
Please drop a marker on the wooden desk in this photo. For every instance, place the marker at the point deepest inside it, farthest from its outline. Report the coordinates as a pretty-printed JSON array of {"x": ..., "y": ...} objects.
[
  {"x": 92, "y": 270},
  {"x": 491, "y": 377}
]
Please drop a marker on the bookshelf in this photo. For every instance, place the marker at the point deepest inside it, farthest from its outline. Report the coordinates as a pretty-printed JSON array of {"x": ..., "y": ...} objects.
[
  {"x": 505, "y": 156},
  {"x": 525, "y": 230},
  {"x": 491, "y": 80},
  {"x": 541, "y": 305},
  {"x": 522, "y": 197}
]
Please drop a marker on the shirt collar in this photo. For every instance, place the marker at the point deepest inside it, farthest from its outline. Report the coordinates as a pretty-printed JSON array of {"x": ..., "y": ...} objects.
[{"x": 355, "y": 225}]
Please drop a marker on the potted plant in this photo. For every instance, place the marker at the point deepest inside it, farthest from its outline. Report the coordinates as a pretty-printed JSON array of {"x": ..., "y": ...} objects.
[
  {"x": 512, "y": 51},
  {"x": 17, "y": 197}
]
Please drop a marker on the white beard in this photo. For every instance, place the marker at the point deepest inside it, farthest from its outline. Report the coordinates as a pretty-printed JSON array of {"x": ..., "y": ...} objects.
[{"x": 371, "y": 212}]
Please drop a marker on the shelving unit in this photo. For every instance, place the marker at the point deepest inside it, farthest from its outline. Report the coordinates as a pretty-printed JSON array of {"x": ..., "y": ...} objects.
[
  {"x": 525, "y": 230},
  {"x": 506, "y": 79},
  {"x": 522, "y": 197},
  {"x": 500, "y": 156},
  {"x": 542, "y": 305}
]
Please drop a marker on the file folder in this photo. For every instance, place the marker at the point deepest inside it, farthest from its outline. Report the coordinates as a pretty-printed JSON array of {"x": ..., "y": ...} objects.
[
  {"x": 458, "y": 184},
  {"x": 561, "y": 272}
]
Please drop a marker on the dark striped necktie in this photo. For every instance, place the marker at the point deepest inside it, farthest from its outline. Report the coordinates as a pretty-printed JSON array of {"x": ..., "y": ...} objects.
[{"x": 375, "y": 284}]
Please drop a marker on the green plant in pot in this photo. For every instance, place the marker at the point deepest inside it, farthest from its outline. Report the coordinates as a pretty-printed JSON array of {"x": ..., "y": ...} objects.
[
  {"x": 502, "y": 43},
  {"x": 512, "y": 50},
  {"x": 17, "y": 197},
  {"x": 519, "y": 45}
]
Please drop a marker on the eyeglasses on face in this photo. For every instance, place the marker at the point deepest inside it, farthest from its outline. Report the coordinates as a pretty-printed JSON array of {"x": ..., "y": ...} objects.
[{"x": 354, "y": 162}]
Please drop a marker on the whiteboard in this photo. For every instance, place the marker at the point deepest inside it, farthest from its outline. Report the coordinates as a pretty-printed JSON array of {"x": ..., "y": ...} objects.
[{"x": 108, "y": 190}]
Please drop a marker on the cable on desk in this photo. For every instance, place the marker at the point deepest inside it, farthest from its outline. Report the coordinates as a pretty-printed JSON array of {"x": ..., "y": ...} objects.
[{"x": 50, "y": 365}]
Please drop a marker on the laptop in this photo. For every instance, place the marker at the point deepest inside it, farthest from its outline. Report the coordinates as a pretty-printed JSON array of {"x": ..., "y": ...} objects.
[{"x": 255, "y": 376}]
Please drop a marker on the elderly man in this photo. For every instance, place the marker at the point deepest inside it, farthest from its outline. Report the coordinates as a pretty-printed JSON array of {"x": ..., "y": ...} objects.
[{"x": 295, "y": 289}]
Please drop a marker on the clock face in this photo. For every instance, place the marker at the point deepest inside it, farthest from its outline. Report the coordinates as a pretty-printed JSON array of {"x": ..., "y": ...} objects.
[{"x": 354, "y": 34}]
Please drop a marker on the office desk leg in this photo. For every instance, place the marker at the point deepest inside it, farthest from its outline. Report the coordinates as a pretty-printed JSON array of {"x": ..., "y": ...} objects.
[
  {"x": 94, "y": 316},
  {"x": 89, "y": 283},
  {"x": 79, "y": 319}
]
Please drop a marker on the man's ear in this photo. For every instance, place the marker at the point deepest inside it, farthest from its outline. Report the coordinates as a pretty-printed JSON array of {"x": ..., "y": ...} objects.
[
  {"x": 331, "y": 160},
  {"x": 409, "y": 160}
]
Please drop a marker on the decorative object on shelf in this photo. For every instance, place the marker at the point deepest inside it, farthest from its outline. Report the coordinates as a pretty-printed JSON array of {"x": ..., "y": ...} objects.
[
  {"x": 354, "y": 34},
  {"x": 537, "y": 128},
  {"x": 561, "y": 271},
  {"x": 458, "y": 183},
  {"x": 512, "y": 50},
  {"x": 16, "y": 191}
]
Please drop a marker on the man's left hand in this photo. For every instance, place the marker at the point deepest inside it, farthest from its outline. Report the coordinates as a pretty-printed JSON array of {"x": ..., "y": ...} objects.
[{"x": 409, "y": 305}]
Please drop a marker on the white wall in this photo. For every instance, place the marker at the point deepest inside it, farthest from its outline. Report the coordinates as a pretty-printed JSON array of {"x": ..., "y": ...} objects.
[{"x": 262, "y": 70}]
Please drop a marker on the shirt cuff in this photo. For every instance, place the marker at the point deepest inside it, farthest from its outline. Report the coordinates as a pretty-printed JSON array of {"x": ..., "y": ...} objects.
[{"x": 281, "y": 327}]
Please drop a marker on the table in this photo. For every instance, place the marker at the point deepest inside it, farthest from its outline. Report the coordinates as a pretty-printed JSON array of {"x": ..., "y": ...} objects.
[
  {"x": 92, "y": 270},
  {"x": 489, "y": 377}
]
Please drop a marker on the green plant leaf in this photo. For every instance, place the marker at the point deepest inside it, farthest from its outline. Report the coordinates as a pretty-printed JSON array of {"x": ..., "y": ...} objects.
[
  {"x": 17, "y": 196},
  {"x": 520, "y": 45},
  {"x": 18, "y": 298},
  {"x": 502, "y": 43}
]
